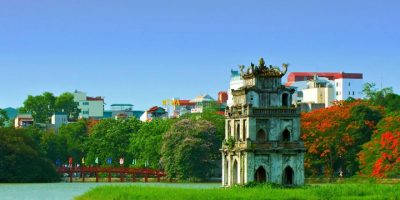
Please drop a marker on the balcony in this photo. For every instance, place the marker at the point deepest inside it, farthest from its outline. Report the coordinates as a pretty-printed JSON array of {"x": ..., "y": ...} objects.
[
  {"x": 248, "y": 110},
  {"x": 278, "y": 111},
  {"x": 268, "y": 146}
]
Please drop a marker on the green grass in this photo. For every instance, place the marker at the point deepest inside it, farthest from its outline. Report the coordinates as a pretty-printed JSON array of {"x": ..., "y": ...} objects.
[{"x": 322, "y": 191}]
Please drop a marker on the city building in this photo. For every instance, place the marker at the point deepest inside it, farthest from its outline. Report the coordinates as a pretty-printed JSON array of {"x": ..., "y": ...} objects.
[
  {"x": 57, "y": 120},
  {"x": 314, "y": 93},
  {"x": 90, "y": 107},
  {"x": 201, "y": 102},
  {"x": 154, "y": 112},
  {"x": 262, "y": 131},
  {"x": 222, "y": 98},
  {"x": 119, "y": 111},
  {"x": 177, "y": 107},
  {"x": 23, "y": 120},
  {"x": 235, "y": 83},
  {"x": 344, "y": 85}
]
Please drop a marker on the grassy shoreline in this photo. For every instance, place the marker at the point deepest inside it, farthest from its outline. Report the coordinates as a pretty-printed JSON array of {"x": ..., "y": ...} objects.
[{"x": 318, "y": 191}]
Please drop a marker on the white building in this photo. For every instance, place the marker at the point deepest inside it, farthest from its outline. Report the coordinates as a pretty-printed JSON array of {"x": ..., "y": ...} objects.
[
  {"x": 90, "y": 107},
  {"x": 235, "y": 83},
  {"x": 201, "y": 102},
  {"x": 325, "y": 87},
  {"x": 58, "y": 119}
]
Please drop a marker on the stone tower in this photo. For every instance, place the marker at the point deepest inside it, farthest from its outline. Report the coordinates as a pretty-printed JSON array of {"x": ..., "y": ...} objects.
[{"x": 262, "y": 131}]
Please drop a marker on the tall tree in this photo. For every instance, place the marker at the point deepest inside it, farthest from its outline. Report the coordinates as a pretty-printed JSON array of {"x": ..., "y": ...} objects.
[
  {"x": 65, "y": 103},
  {"x": 41, "y": 106},
  {"x": 22, "y": 160},
  {"x": 74, "y": 136},
  {"x": 110, "y": 138},
  {"x": 3, "y": 117},
  {"x": 380, "y": 157},
  {"x": 190, "y": 149},
  {"x": 333, "y": 137},
  {"x": 384, "y": 97},
  {"x": 146, "y": 144}
]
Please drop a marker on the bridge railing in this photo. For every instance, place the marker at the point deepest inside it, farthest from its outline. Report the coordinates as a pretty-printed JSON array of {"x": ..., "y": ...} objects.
[{"x": 122, "y": 171}]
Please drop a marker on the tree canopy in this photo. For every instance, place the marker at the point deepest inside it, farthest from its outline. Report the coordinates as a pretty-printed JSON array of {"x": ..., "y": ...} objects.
[
  {"x": 43, "y": 106},
  {"x": 3, "y": 117},
  {"x": 190, "y": 150},
  {"x": 22, "y": 160},
  {"x": 333, "y": 137}
]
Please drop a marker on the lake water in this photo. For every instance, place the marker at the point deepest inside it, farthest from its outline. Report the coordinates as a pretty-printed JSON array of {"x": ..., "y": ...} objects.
[{"x": 67, "y": 191}]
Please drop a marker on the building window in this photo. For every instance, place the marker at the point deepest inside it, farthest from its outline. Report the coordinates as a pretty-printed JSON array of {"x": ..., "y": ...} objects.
[
  {"x": 85, "y": 112},
  {"x": 244, "y": 130},
  {"x": 353, "y": 93},
  {"x": 285, "y": 100},
  {"x": 349, "y": 84},
  {"x": 337, "y": 84},
  {"x": 261, "y": 136},
  {"x": 349, "y": 92},
  {"x": 85, "y": 103},
  {"x": 286, "y": 136},
  {"x": 337, "y": 93},
  {"x": 238, "y": 132}
]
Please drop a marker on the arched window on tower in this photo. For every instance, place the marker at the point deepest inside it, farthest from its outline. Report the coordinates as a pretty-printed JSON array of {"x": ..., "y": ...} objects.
[
  {"x": 238, "y": 132},
  {"x": 286, "y": 135},
  {"x": 261, "y": 136},
  {"x": 244, "y": 132},
  {"x": 285, "y": 100}
]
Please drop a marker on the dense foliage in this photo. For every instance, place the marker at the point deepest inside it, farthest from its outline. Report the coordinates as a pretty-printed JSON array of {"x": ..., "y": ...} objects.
[
  {"x": 110, "y": 138},
  {"x": 333, "y": 137},
  {"x": 190, "y": 150},
  {"x": 22, "y": 160},
  {"x": 3, "y": 117},
  {"x": 42, "y": 107},
  {"x": 381, "y": 156},
  {"x": 146, "y": 144}
]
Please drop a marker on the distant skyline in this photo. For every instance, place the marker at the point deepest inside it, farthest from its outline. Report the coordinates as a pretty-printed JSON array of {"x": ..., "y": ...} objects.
[{"x": 142, "y": 52}]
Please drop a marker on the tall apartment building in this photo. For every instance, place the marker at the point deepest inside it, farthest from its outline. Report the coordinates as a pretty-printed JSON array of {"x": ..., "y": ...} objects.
[{"x": 90, "y": 107}]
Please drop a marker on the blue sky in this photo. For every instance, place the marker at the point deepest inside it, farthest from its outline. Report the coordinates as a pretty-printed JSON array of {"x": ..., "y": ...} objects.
[{"x": 141, "y": 52}]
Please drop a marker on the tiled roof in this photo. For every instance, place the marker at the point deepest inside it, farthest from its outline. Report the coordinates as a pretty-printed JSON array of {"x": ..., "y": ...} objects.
[
  {"x": 186, "y": 103},
  {"x": 94, "y": 99}
]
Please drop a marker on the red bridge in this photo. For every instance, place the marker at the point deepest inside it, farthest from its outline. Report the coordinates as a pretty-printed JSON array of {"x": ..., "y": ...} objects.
[{"x": 122, "y": 171}]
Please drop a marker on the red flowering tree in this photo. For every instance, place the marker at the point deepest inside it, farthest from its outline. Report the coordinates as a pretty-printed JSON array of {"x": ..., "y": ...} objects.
[
  {"x": 333, "y": 137},
  {"x": 380, "y": 157}
]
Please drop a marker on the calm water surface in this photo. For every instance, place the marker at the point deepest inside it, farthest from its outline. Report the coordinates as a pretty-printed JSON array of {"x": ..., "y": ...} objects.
[{"x": 68, "y": 191}]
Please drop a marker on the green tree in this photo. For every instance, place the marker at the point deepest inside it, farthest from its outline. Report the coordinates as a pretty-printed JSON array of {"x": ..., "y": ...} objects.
[
  {"x": 72, "y": 138},
  {"x": 146, "y": 144},
  {"x": 211, "y": 114},
  {"x": 21, "y": 159},
  {"x": 384, "y": 97},
  {"x": 110, "y": 138},
  {"x": 65, "y": 103},
  {"x": 3, "y": 117},
  {"x": 190, "y": 150},
  {"x": 41, "y": 106},
  {"x": 55, "y": 146}
]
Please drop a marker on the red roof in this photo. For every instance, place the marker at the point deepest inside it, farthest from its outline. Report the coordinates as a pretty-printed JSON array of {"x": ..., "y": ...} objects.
[
  {"x": 302, "y": 76},
  {"x": 94, "y": 99},
  {"x": 186, "y": 103},
  {"x": 154, "y": 108}
]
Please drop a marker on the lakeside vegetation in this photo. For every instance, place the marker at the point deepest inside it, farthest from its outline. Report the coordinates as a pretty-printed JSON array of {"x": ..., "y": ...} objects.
[
  {"x": 323, "y": 191},
  {"x": 355, "y": 137}
]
